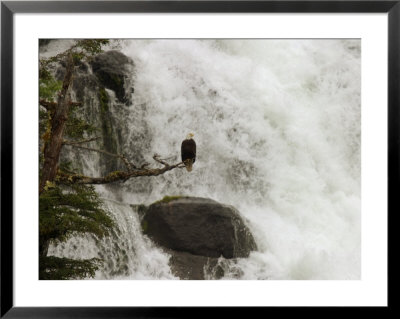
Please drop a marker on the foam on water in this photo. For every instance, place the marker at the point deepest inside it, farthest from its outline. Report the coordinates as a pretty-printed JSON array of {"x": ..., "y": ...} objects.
[
  {"x": 126, "y": 253},
  {"x": 277, "y": 127}
]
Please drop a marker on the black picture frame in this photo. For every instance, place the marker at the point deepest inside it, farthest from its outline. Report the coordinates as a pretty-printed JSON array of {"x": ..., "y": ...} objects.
[{"x": 9, "y": 8}]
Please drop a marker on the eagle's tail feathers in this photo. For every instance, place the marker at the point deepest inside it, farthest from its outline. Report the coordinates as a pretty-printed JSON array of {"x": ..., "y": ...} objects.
[{"x": 189, "y": 165}]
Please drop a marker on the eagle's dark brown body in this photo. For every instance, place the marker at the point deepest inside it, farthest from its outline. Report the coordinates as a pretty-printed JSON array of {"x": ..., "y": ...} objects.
[{"x": 188, "y": 153}]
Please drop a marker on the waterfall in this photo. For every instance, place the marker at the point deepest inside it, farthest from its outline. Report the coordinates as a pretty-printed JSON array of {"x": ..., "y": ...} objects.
[{"x": 277, "y": 127}]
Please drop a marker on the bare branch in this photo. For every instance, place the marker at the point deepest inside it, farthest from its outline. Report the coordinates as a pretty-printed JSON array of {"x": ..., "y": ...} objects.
[
  {"x": 122, "y": 157},
  {"x": 93, "y": 150},
  {"x": 51, "y": 106},
  {"x": 128, "y": 164},
  {"x": 157, "y": 158},
  {"x": 144, "y": 165},
  {"x": 65, "y": 142},
  {"x": 116, "y": 175}
]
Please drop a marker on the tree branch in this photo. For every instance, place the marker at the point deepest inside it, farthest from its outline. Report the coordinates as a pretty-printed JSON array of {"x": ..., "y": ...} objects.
[
  {"x": 122, "y": 157},
  {"x": 116, "y": 176},
  {"x": 49, "y": 106},
  {"x": 65, "y": 142},
  {"x": 157, "y": 158}
]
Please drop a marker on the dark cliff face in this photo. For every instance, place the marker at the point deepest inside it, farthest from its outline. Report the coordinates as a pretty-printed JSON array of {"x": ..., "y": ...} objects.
[
  {"x": 44, "y": 42},
  {"x": 196, "y": 232},
  {"x": 113, "y": 69},
  {"x": 104, "y": 87}
]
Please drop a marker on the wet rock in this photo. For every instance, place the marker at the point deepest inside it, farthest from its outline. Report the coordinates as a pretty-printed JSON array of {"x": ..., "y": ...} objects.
[
  {"x": 44, "y": 42},
  {"x": 199, "y": 226},
  {"x": 113, "y": 70},
  {"x": 193, "y": 267}
]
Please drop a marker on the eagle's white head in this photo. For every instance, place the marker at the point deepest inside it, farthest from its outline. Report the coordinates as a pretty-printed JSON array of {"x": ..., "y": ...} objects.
[{"x": 189, "y": 136}]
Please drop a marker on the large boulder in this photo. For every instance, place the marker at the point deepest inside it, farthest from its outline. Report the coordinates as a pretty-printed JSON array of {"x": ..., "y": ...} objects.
[
  {"x": 113, "y": 69},
  {"x": 193, "y": 267},
  {"x": 199, "y": 226}
]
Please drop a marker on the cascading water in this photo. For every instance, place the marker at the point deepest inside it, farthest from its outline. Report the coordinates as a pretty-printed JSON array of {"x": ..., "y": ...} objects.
[{"x": 277, "y": 127}]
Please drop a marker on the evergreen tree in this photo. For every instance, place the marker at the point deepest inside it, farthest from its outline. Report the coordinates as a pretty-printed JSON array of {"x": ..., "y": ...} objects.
[
  {"x": 68, "y": 203},
  {"x": 65, "y": 208}
]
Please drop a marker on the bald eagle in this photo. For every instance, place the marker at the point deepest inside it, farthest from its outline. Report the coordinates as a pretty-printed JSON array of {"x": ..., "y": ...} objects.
[{"x": 188, "y": 151}]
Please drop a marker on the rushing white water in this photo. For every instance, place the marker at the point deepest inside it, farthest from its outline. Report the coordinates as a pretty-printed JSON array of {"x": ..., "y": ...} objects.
[{"x": 277, "y": 127}]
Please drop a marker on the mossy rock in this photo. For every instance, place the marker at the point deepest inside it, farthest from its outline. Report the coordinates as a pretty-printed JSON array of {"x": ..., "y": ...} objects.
[
  {"x": 110, "y": 143},
  {"x": 111, "y": 68},
  {"x": 167, "y": 199},
  {"x": 199, "y": 226}
]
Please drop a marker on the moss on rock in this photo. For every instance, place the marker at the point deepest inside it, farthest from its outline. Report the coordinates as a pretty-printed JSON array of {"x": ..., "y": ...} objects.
[
  {"x": 109, "y": 138},
  {"x": 167, "y": 199},
  {"x": 111, "y": 70}
]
